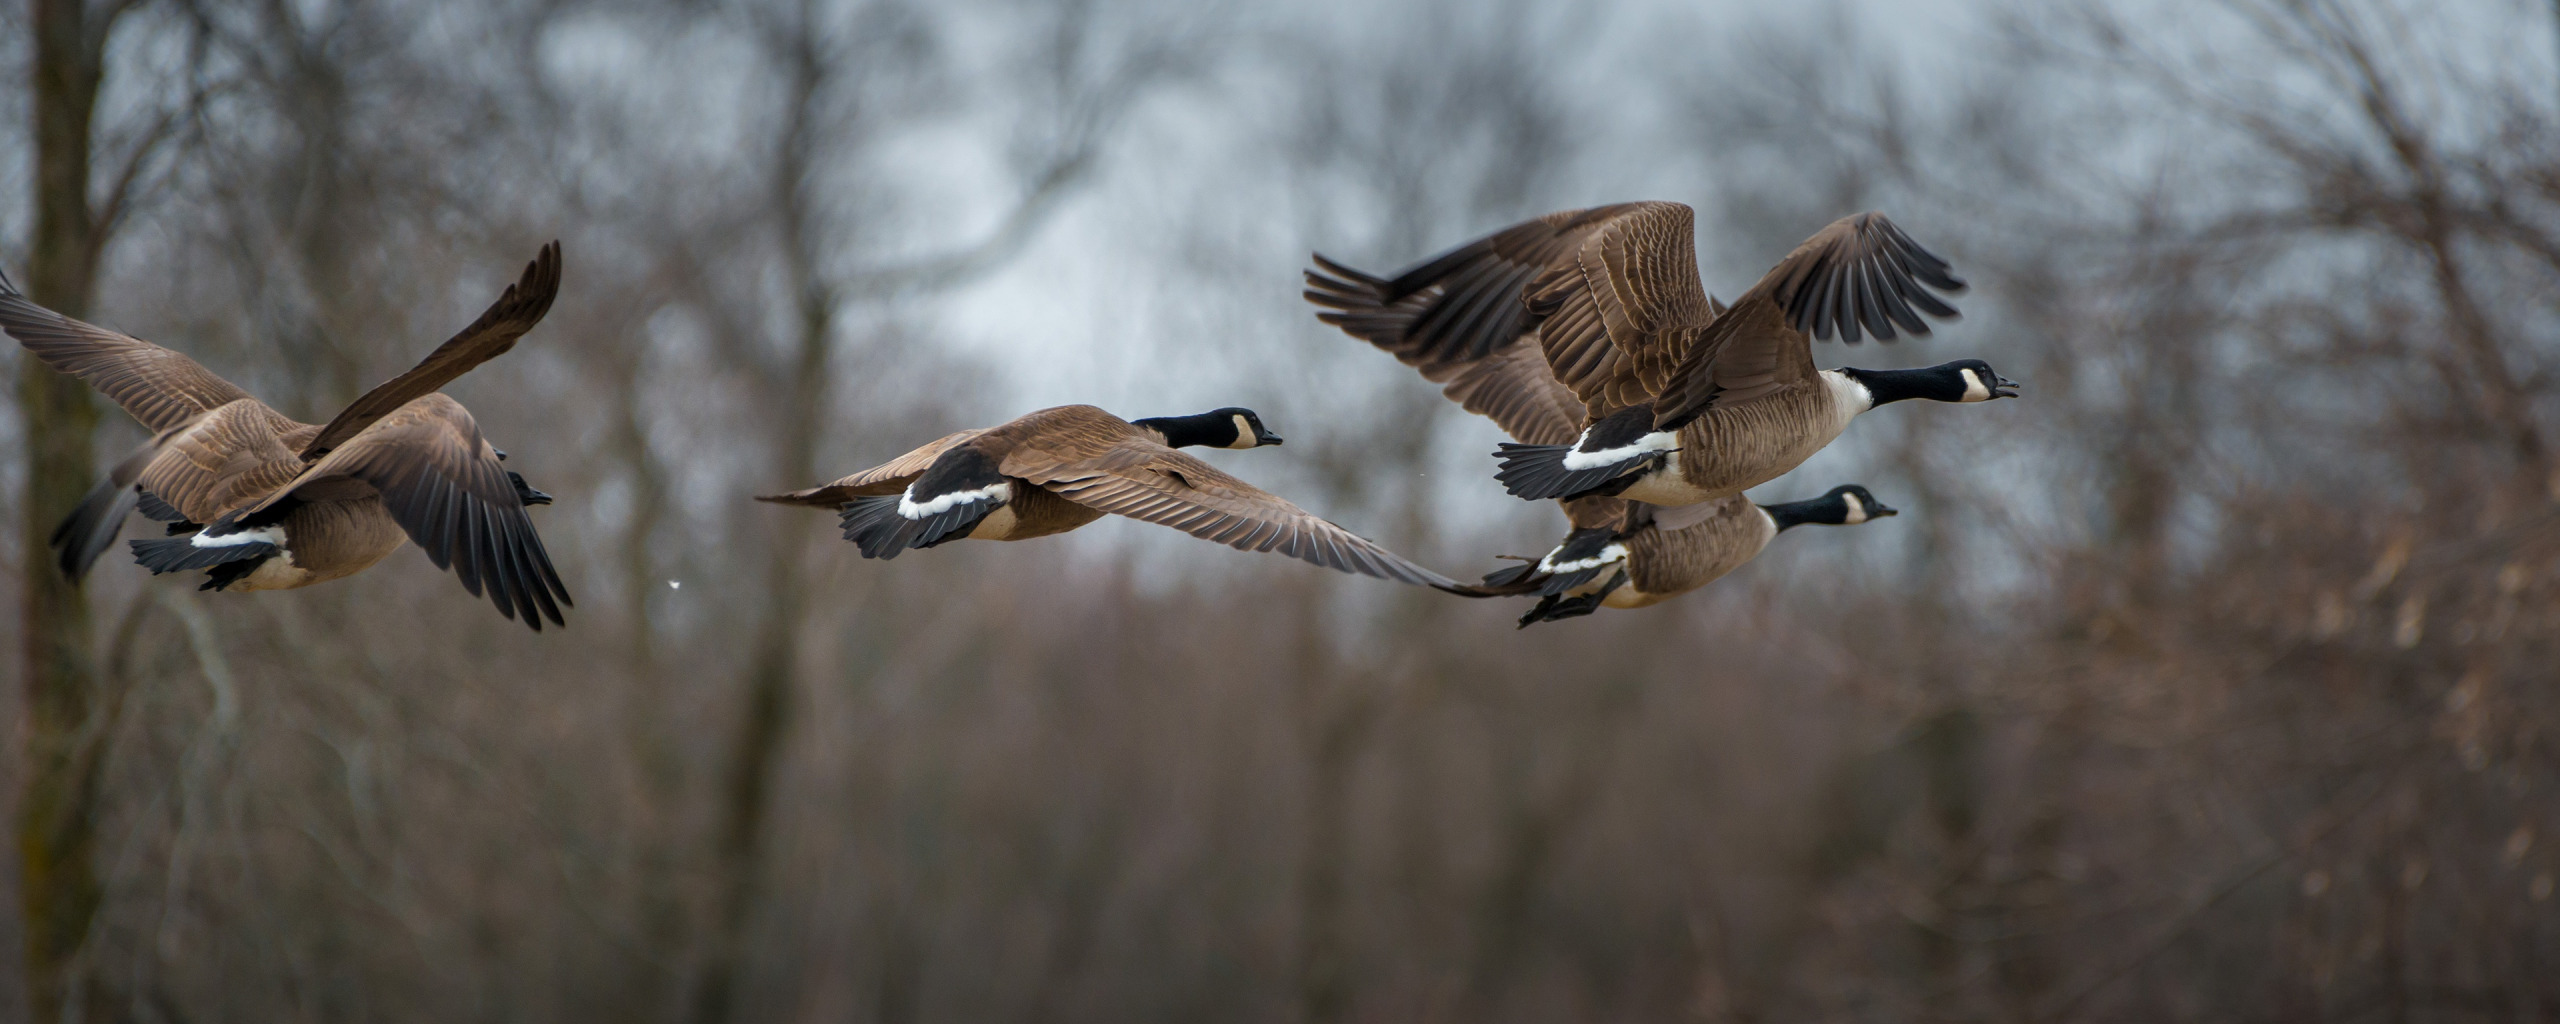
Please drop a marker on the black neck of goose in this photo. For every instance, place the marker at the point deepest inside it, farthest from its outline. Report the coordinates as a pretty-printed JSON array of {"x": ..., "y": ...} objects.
[
  {"x": 1937, "y": 383},
  {"x": 1827, "y": 510},
  {"x": 1205, "y": 430}
]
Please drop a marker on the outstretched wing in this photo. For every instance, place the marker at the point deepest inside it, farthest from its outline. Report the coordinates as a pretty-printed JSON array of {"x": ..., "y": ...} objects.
[
  {"x": 1861, "y": 272},
  {"x": 1449, "y": 318},
  {"x": 153, "y": 384},
  {"x": 888, "y": 477},
  {"x": 1144, "y": 480},
  {"x": 522, "y": 305},
  {"x": 445, "y": 487},
  {"x": 1461, "y": 305}
]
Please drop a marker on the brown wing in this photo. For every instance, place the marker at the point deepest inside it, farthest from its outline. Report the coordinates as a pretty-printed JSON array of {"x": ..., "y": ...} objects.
[
  {"x": 157, "y": 386},
  {"x": 444, "y": 485},
  {"x": 1615, "y": 318},
  {"x": 1860, "y": 272},
  {"x": 221, "y": 461},
  {"x": 1459, "y": 306},
  {"x": 1514, "y": 388},
  {"x": 889, "y": 477},
  {"x": 516, "y": 311},
  {"x": 1144, "y": 480}
]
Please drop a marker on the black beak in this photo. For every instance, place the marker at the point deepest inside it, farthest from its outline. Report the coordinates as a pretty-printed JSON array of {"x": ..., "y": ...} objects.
[
  {"x": 2004, "y": 382},
  {"x": 525, "y": 492},
  {"x": 1882, "y": 510},
  {"x": 502, "y": 453},
  {"x": 1268, "y": 439}
]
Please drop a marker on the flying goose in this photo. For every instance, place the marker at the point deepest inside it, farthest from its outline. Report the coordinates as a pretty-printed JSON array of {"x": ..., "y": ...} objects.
[
  {"x": 1662, "y": 552},
  {"x": 267, "y": 503},
  {"x": 1054, "y": 470},
  {"x": 1629, "y": 554},
  {"x": 1684, "y": 399}
]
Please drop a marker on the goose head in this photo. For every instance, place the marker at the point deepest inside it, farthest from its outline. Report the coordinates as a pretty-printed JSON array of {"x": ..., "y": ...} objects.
[
  {"x": 1231, "y": 427},
  {"x": 1845, "y": 505}
]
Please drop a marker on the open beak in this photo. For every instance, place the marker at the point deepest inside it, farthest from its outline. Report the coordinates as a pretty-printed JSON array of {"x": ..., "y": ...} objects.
[{"x": 2006, "y": 388}]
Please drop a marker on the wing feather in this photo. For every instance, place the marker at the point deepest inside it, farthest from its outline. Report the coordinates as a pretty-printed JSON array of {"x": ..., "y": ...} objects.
[
  {"x": 1860, "y": 275},
  {"x": 517, "y": 310},
  {"x": 1143, "y": 480},
  {"x": 155, "y": 385}
]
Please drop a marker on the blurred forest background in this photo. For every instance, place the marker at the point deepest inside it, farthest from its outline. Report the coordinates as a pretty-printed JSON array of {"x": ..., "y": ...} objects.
[{"x": 2213, "y": 681}]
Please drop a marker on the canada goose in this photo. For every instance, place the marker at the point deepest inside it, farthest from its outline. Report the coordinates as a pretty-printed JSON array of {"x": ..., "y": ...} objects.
[
  {"x": 1054, "y": 470},
  {"x": 1664, "y": 552},
  {"x": 1629, "y": 554},
  {"x": 268, "y": 503},
  {"x": 1685, "y": 399}
]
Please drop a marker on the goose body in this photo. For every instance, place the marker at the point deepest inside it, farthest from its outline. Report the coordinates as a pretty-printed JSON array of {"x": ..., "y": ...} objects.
[
  {"x": 1683, "y": 399},
  {"x": 261, "y": 501},
  {"x": 1057, "y": 469},
  {"x": 1629, "y": 554}
]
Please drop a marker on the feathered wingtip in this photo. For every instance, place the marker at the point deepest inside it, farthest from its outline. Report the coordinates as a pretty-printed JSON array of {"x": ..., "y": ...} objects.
[
  {"x": 815, "y": 497},
  {"x": 91, "y": 528},
  {"x": 1516, "y": 581},
  {"x": 874, "y": 524}
]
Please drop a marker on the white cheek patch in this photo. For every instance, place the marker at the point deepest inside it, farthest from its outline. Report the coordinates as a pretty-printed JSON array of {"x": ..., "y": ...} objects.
[
  {"x": 1658, "y": 441},
  {"x": 1974, "y": 389},
  {"x": 262, "y": 535},
  {"x": 1245, "y": 435},
  {"x": 907, "y": 507},
  {"x": 1612, "y": 553},
  {"x": 1857, "y": 510}
]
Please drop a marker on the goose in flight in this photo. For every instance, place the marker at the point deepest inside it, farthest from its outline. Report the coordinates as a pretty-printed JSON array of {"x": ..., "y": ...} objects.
[
  {"x": 1057, "y": 469},
  {"x": 1620, "y": 553},
  {"x": 1628, "y": 554},
  {"x": 1684, "y": 399},
  {"x": 263, "y": 502}
]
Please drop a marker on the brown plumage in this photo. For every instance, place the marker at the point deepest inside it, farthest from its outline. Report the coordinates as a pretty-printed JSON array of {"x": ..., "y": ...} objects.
[
  {"x": 267, "y": 503},
  {"x": 1057, "y": 469},
  {"x": 1637, "y": 554},
  {"x": 1628, "y": 554},
  {"x": 1612, "y": 298}
]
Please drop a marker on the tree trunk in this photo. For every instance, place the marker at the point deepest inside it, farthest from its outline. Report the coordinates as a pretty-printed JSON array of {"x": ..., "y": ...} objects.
[{"x": 57, "y": 817}]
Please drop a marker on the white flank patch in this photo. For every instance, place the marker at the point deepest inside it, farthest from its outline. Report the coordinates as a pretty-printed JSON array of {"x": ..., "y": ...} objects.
[
  {"x": 1974, "y": 389},
  {"x": 998, "y": 491},
  {"x": 1612, "y": 553},
  {"x": 1857, "y": 510},
  {"x": 1245, "y": 437},
  {"x": 262, "y": 535},
  {"x": 1658, "y": 441}
]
